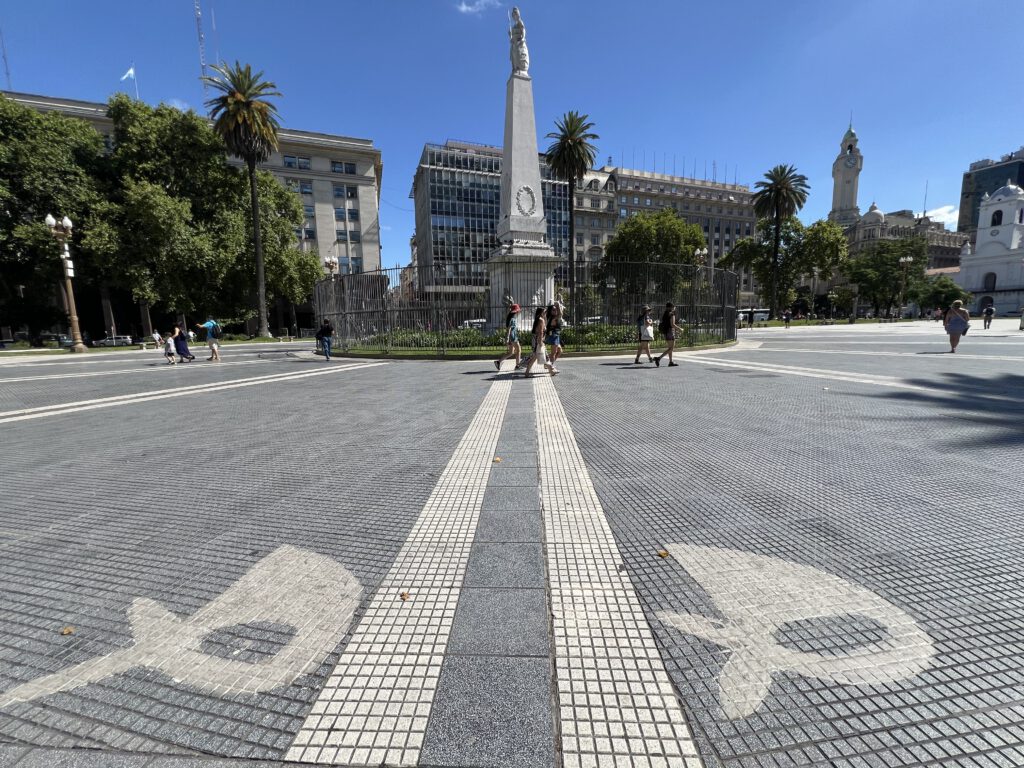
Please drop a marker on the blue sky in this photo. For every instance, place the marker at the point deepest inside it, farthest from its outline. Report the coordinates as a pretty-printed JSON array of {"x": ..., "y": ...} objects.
[{"x": 745, "y": 84}]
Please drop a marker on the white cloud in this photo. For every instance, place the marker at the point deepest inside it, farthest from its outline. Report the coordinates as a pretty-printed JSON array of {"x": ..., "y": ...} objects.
[
  {"x": 946, "y": 214},
  {"x": 181, "y": 106},
  {"x": 476, "y": 6}
]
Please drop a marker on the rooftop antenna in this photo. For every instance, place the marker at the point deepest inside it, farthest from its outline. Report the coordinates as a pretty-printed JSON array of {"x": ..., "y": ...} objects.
[
  {"x": 3, "y": 50},
  {"x": 202, "y": 43},
  {"x": 924, "y": 211}
]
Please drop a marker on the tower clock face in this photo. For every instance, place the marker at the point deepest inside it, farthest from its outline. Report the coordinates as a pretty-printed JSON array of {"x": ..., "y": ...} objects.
[{"x": 850, "y": 161}]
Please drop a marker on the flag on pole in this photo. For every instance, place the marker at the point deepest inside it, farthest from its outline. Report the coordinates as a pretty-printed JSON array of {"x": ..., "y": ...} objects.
[{"x": 130, "y": 73}]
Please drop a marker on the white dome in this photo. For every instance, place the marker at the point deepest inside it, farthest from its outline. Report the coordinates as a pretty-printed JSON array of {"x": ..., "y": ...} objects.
[
  {"x": 873, "y": 216},
  {"x": 1010, "y": 190}
]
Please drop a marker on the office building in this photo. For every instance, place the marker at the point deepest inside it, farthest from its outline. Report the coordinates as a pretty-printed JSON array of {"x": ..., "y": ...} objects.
[
  {"x": 456, "y": 192},
  {"x": 337, "y": 178},
  {"x": 982, "y": 178}
]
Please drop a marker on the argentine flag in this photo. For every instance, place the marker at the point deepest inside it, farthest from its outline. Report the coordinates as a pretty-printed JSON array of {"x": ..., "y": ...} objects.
[{"x": 130, "y": 73}]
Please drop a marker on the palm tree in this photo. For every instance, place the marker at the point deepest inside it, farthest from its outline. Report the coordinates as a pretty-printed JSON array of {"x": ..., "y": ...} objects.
[
  {"x": 248, "y": 124},
  {"x": 780, "y": 195},
  {"x": 570, "y": 156}
]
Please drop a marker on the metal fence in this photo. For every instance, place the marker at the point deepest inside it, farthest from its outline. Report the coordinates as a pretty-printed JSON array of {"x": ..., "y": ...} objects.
[{"x": 427, "y": 310}]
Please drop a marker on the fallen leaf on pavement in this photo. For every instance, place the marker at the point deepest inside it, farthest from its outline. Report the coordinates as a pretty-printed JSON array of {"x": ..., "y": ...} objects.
[
  {"x": 662, "y": 553},
  {"x": 405, "y": 595},
  {"x": 68, "y": 631}
]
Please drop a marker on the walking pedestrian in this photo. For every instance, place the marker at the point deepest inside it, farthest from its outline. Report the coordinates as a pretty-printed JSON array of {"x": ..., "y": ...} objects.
[
  {"x": 513, "y": 347},
  {"x": 989, "y": 311},
  {"x": 553, "y": 329},
  {"x": 213, "y": 334},
  {"x": 668, "y": 329},
  {"x": 539, "y": 350},
  {"x": 956, "y": 323},
  {"x": 158, "y": 340},
  {"x": 644, "y": 334},
  {"x": 325, "y": 337},
  {"x": 191, "y": 336},
  {"x": 169, "y": 350},
  {"x": 181, "y": 346},
  {"x": 787, "y": 317}
]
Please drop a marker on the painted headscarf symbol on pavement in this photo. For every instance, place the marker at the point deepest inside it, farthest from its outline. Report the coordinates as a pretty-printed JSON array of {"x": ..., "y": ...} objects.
[
  {"x": 758, "y": 595},
  {"x": 304, "y": 590}
]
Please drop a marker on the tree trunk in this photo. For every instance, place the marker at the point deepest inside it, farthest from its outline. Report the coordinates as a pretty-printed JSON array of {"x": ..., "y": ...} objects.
[
  {"x": 147, "y": 320},
  {"x": 773, "y": 299},
  {"x": 261, "y": 282},
  {"x": 572, "y": 251},
  {"x": 108, "y": 310}
]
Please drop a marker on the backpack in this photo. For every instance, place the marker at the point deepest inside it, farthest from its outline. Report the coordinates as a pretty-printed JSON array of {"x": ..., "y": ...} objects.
[
  {"x": 215, "y": 332},
  {"x": 665, "y": 325}
]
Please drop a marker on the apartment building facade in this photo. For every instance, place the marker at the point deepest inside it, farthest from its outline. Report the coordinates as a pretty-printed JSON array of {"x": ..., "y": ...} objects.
[{"x": 337, "y": 179}]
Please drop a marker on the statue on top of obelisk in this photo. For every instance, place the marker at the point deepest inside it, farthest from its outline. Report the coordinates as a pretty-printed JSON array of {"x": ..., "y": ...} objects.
[{"x": 518, "y": 51}]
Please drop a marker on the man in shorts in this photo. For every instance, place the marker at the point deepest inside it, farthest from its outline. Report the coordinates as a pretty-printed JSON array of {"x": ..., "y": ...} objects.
[{"x": 212, "y": 338}]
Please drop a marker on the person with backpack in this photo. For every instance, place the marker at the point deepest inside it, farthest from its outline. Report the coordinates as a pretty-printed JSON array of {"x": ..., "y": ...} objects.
[
  {"x": 988, "y": 313},
  {"x": 213, "y": 334},
  {"x": 668, "y": 329},
  {"x": 644, "y": 334},
  {"x": 324, "y": 337}
]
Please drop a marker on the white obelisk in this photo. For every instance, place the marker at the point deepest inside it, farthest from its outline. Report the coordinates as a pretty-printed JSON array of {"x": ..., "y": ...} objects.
[{"x": 523, "y": 265}]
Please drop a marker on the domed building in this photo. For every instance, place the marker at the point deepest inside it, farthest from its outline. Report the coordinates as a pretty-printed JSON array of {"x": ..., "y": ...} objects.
[
  {"x": 994, "y": 271},
  {"x": 863, "y": 231}
]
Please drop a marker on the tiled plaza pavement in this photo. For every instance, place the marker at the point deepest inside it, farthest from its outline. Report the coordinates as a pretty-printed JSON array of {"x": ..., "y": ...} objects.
[{"x": 822, "y": 547}]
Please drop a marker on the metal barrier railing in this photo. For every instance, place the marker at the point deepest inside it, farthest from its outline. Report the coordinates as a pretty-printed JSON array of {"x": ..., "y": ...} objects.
[{"x": 425, "y": 309}]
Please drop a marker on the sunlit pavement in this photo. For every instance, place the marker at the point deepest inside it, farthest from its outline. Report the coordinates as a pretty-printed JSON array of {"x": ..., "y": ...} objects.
[{"x": 800, "y": 550}]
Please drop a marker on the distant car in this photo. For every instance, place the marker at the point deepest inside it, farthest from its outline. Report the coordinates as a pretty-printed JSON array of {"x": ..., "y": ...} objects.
[
  {"x": 596, "y": 320},
  {"x": 60, "y": 339},
  {"x": 479, "y": 323},
  {"x": 114, "y": 341}
]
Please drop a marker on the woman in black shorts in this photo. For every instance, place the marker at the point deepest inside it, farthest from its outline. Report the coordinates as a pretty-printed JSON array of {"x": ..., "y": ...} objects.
[{"x": 668, "y": 328}]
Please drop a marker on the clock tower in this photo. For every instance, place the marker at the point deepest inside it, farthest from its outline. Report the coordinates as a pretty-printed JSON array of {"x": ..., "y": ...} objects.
[{"x": 845, "y": 175}]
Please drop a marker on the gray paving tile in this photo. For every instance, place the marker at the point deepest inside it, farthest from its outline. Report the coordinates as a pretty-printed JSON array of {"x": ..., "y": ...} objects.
[
  {"x": 81, "y": 758},
  {"x": 518, "y": 457},
  {"x": 502, "y": 622},
  {"x": 511, "y": 497},
  {"x": 525, "y": 477},
  {"x": 505, "y": 565},
  {"x": 517, "y": 525},
  {"x": 10, "y": 755},
  {"x": 495, "y": 712}
]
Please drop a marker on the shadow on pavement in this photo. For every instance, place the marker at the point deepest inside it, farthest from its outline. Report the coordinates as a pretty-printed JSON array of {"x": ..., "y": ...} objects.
[{"x": 996, "y": 402}]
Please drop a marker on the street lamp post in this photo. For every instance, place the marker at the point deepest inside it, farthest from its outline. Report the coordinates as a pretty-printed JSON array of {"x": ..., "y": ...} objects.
[
  {"x": 61, "y": 231},
  {"x": 905, "y": 262},
  {"x": 701, "y": 255}
]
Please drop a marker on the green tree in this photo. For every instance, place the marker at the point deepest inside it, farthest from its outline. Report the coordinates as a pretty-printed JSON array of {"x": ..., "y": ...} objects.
[
  {"x": 48, "y": 164},
  {"x": 937, "y": 291},
  {"x": 801, "y": 250},
  {"x": 660, "y": 240},
  {"x": 780, "y": 196},
  {"x": 880, "y": 275},
  {"x": 570, "y": 156},
  {"x": 248, "y": 124}
]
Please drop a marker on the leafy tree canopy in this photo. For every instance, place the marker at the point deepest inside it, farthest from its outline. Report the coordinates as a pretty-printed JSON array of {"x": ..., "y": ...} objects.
[
  {"x": 660, "y": 238},
  {"x": 879, "y": 273},
  {"x": 937, "y": 291}
]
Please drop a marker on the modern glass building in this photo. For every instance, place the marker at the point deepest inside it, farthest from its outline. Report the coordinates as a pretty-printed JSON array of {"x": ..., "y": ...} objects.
[
  {"x": 456, "y": 192},
  {"x": 983, "y": 178}
]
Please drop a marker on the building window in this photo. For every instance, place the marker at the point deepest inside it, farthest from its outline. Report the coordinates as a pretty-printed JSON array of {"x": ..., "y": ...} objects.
[
  {"x": 305, "y": 164},
  {"x": 340, "y": 235},
  {"x": 636, "y": 200},
  {"x": 989, "y": 282},
  {"x": 292, "y": 185},
  {"x": 339, "y": 190},
  {"x": 357, "y": 265},
  {"x": 622, "y": 199},
  {"x": 352, "y": 192},
  {"x": 595, "y": 239},
  {"x": 622, "y": 213},
  {"x": 338, "y": 166},
  {"x": 647, "y": 201},
  {"x": 353, "y": 236},
  {"x": 309, "y": 233},
  {"x": 306, "y": 187},
  {"x": 308, "y": 212},
  {"x": 579, "y": 239},
  {"x": 997, "y": 219},
  {"x": 290, "y": 161},
  {"x": 339, "y": 214},
  {"x": 353, "y": 214}
]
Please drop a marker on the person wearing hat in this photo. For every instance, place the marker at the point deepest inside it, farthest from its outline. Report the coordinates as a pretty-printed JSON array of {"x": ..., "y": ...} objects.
[
  {"x": 644, "y": 334},
  {"x": 511, "y": 338},
  {"x": 668, "y": 328}
]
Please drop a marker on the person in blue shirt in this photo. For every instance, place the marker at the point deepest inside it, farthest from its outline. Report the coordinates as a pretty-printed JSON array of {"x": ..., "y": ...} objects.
[{"x": 212, "y": 338}]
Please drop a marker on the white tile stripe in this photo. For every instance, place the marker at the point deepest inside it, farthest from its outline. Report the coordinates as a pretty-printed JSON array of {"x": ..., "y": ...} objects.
[
  {"x": 374, "y": 708},
  {"x": 616, "y": 703}
]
